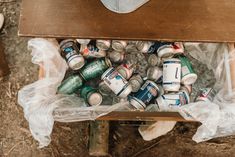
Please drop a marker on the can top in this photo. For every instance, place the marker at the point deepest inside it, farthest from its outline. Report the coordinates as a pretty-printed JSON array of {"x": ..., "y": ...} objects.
[
  {"x": 139, "y": 105},
  {"x": 189, "y": 79},
  {"x": 125, "y": 92},
  {"x": 154, "y": 84},
  {"x": 95, "y": 99},
  {"x": 65, "y": 41}
]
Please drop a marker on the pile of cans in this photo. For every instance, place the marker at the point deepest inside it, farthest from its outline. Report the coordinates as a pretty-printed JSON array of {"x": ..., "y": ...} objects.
[{"x": 161, "y": 74}]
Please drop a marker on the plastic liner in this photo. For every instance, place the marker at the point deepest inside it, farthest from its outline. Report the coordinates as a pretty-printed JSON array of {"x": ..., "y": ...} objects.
[
  {"x": 123, "y": 6},
  {"x": 40, "y": 102}
]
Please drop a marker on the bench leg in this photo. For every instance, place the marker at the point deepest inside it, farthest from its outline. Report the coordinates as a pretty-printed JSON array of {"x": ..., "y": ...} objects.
[{"x": 99, "y": 138}]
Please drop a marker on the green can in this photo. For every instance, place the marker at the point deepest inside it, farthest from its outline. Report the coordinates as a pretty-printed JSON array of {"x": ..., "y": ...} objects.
[
  {"x": 95, "y": 69},
  {"x": 188, "y": 76},
  {"x": 70, "y": 85},
  {"x": 91, "y": 96}
]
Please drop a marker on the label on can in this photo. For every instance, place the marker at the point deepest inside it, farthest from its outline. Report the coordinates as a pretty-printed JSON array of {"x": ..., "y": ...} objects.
[
  {"x": 177, "y": 99},
  {"x": 91, "y": 51},
  {"x": 147, "y": 92},
  {"x": 206, "y": 94},
  {"x": 115, "y": 81},
  {"x": 94, "y": 69},
  {"x": 171, "y": 72}
]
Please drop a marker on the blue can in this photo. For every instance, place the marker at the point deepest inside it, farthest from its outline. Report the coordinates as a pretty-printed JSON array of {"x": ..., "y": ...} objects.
[{"x": 147, "y": 92}]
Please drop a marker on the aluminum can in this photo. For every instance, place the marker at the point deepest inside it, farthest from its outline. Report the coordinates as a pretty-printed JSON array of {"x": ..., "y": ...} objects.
[
  {"x": 154, "y": 60},
  {"x": 126, "y": 70},
  {"x": 92, "y": 51},
  {"x": 91, "y": 96},
  {"x": 171, "y": 75},
  {"x": 155, "y": 74},
  {"x": 116, "y": 83},
  {"x": 206, "y": 94},
  {"x": 95, "y": 69},
  {"x": 188, "y": 76},
  {"x": 131, "y": 48},
  {"x": 136, "y": 82},
  {"x": 70, "y": 85},
  {"x": 169, "y": 49},
  {"x": 70, "y": 52},
  {"x": 83, "y": 41},
  {"x": 104, "y": 89},
  {"x": 146, "y": 46},
  {"x": 166, "y": 101},
  {"x": 103, "y": 44},
  {"x": 116, "y": 56},
  {"x": 147, "y": 92},
  {"x": 119, "y": 45}
]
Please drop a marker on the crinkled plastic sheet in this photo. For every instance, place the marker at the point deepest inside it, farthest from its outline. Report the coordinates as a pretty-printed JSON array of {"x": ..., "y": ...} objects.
[{"x": 40, "y": 102}]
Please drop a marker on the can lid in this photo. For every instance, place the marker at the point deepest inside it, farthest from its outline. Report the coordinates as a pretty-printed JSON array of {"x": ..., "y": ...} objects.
[
  {"x": 189, "y": 79},
  {"x": 154, "y": 84},
  {"x": 125, "y": 92},
  {"x": 106, "y": 72},
  {"x": 139, "y": 105},
  {"x": 65, "y": 41},
  {"x": 76, "y": 63},
  {"x": 95, "y": 99}
]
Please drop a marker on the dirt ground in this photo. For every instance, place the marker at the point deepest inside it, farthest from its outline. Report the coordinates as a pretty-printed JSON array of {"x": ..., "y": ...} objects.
[{"x": 71, "y": 139}]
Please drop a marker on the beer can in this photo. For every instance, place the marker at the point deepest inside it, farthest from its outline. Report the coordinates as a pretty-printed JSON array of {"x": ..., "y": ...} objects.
[
  {"x": 169, "y": 49},
  {"x": 136, "y": 82},
  {"x": 104, "y": 89},
  {"x": 103, "y": 44},
  {"x": 92, "y": 51},
  {"x": 155, "y": 74},
  {"x": 119, "y": 45},
  {"x": 95, "y": 69},
  {"x": 171, "y": 74},
  {"x": 147, "y": 92},
  {"x": 206, "y": 94},
  {"x": 131, "y": 48},
  {"x": 70, "y": 52},
  {"x": 146, "y": 46},
  {"x": 116, "y": 56},
  {"x": 187, "y": 87},
  {"x": 83, "y": 41},
  {"x": 91, "y": 96},
  {"x": 188, "y": 76},
  {"x": 173, "y": 100},
  {"x": 126, "y": 70},
  {"x": 70, "y": 85},
  {"x": 116, "y": 83},
  {"x": 154, "y": 60}
]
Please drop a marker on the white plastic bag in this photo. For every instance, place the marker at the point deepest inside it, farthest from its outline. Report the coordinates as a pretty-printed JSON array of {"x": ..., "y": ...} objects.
[
  {"x": 123, "y": 6},
  {"x": 40, "y": 102}
]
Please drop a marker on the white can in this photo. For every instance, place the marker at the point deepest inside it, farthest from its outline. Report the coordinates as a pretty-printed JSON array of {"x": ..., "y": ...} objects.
[
  {"x": 171, "y": 74},
  {"x": 116, "y": 83},
  {"x": 119, "y": 45},
  {"x": 103, "y": 44}
]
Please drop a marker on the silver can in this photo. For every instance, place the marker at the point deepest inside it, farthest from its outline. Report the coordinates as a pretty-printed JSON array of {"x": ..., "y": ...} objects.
[
  {"x": 131, "y": 48},
  {"x": 116, "y": 56},
  {"x": 145, "y": 46},
  {"x": 155, "y": 74},
  {"x": 103, "y": 44},
  {"x": 116, "y": 83},
  {"x": 154, "y": 60},
  {"x": 126, "y": 70},
  {"x": 119, "y": 45},
  {"x": 136, "y": 82}
]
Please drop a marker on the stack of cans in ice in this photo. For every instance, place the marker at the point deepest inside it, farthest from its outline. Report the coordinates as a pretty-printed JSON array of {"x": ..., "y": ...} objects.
[{"x": 143, "y": 72}]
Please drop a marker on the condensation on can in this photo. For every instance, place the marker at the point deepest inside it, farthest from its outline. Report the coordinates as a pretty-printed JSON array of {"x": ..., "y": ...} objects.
[
  {"x": 103, "y": 44},
  {"x": 136, "y": 82},
  {"x": 119, "y": 45},
  {"x": 116, "y": 82},
  {"x": 116, "y": 56},
  {"x": 171, "y": 74},
  {"x": 70, "y": 51}
]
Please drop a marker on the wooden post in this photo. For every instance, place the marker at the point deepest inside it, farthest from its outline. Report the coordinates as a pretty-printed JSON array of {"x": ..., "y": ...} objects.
[
  {"x": 99, "y": 138},
  {"x": 4, "y": 69}
]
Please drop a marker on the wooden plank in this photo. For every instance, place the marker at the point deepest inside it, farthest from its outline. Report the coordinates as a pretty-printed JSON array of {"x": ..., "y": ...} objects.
[
  {"x": 143, "y": 116},
  {"x": 167, "y": 20}
]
